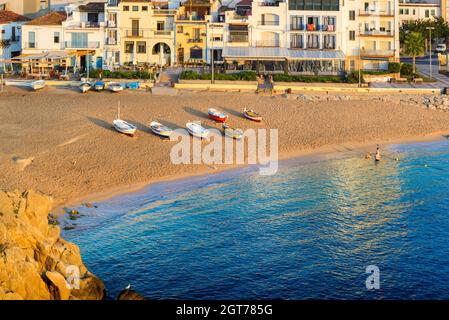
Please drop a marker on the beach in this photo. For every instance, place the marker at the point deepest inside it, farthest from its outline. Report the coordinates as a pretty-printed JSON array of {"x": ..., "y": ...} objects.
[{"x": 61, "y": 143}]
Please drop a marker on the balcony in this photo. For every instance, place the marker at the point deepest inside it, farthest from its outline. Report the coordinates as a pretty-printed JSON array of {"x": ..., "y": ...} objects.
[
  {"x": 312, "y": 27},
  {"x": 371, "y": 53},
  {"x": 134, "y": 33},
  {"x": 377, "y": 12},
  {"x": 296, "y": 27},
  {"x": 82, "y": 45},
  {"x": 377, "y": 33},
  {"x": 166, "y": 32},
  {"x": 268, "y": 43},
  {"x": 190, "y": 18},
  {"x": 313, "y": 46},
  {"x": 296, "y": 45},
  {"x": 112, "y": 24},
  {"x": 111, "y": 41},
  {"x": 268, "y": 4},
  {"x": 238, "y": 38},
  {"x": 164, "y": 12},
  {"x": 268, "y": 23},
  {"x": 328, "y": 28},
  {"x": 84, "y": 25},
  {"x": 195, "y": 40}
]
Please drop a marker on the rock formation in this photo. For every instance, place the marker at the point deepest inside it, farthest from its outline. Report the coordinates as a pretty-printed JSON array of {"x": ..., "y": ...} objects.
[{"x": 35, "y": 262}]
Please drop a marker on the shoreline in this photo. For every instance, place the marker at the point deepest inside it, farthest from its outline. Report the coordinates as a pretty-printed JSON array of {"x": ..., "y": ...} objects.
[{"x": 305, "y": 156}]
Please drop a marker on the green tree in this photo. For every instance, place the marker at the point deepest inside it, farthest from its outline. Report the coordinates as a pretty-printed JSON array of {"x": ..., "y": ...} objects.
[{"x": 414, "y": 46}]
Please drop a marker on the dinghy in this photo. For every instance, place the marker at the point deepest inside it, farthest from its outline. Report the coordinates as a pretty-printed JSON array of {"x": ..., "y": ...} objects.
[
  {"x": 36, "y": 85},
  {"x": 133, "y": 85},
  {"x": 123, "y": 126},
  {"x": 99, "y": 86},
  {"x": 196, "y": 130},
  {"x": 115, "y": 87},
  {"x": 217, "y": 115},
  {"x": 160, "y": 129},
  {"x": 252, "y": 115},
  {"x": 85, "y": 86},
  {"x": 233, "y": 133}
]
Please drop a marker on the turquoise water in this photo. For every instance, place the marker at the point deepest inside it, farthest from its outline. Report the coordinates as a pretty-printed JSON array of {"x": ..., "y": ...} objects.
[{"x": 307, "y": 232}]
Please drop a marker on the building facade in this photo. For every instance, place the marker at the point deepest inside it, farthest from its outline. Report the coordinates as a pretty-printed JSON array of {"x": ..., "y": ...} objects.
[
  {"x": 418, "y": 10},
  {"x": 27, "y": 8},
  {"x": 10, "y": 35}
]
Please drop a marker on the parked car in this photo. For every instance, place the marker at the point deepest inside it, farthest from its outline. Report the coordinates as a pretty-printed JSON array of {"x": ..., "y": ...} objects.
[{"x": 441, "y": 48}]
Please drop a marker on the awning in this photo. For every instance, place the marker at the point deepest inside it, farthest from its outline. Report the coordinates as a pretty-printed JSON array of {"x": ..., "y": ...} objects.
[
  {"x": 254, "y": 53},
  {"x": 315, "y": 55},
  {"x": 54, "y": 55}
]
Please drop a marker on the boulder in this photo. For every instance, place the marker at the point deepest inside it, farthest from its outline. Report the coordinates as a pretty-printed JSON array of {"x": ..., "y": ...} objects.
[{"x": 35, "y": 262}]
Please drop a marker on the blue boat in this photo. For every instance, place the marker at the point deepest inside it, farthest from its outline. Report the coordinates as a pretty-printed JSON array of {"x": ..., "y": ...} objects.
[
  {"x": 99, "y": 86},
  {"x": 133, "y": 85}
]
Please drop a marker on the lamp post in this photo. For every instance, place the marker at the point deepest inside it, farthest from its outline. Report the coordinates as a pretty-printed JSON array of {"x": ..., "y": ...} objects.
[
  {"x": 360, "y": 56},
  {"x": 430, "y": 49}
]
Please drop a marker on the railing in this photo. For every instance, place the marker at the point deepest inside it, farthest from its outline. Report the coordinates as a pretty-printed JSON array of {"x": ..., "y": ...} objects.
[
  {"x": 329, "y": 46},
  {"x": 82, "y": 45},
  {"x": 328, "y": 27},
  {"x": 296, "y": 45},
  {"x": 312, "y": 27},
  {"x": 111, "y": 41},
  {"x": 268, "y": 43},
  {"x": 377, "y": 33},
  {"x": 162, "y": 32},
  {"x": 268, "y": 4},
  {"x": 112, "y": 24},
  {"x": 194, "y": 40},
  {"x": 298, "y": 27},
  {"x": 268, "y": 23},
  {"x": 30, "y": 45},
  {"x": 82, "y": 25},
  {"x": 314, "y": 46},
  {"x": 377, "y": 53},
  {"x": 238, "y": 38},
  {"x": 190, "y": 18},
  {"x": 134, "y": 33},
  {"x": 376, "y": 11}
]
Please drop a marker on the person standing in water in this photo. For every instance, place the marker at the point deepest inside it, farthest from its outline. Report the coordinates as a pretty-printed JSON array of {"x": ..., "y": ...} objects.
[{"x": 378, "y": 156}]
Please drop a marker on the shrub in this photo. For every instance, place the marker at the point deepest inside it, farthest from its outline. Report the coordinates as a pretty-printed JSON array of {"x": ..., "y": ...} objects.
[
  {"x": 242, "y": 76},
  {"x": 306, "y": 78},
  {"x": 406, "y": 69},
  {"x": 394, "y": 67},
  {"x": 95, "y": 73},
  {"x": 353, "y": 77}
]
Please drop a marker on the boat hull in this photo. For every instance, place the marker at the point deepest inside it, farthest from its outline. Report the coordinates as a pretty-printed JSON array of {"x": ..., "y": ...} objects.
[
  {"x": 218, "y": 118},
  {"x": 37, "y": 85},
  {"x": 124, "y": 127},
  {"x": 256, "y": 119}
]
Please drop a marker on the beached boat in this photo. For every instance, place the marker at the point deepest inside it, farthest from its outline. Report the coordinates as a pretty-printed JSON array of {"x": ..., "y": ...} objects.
[
  {"x": 133, "y": 85},
  {"x": 160, "y": 129},
  {"x": 123, "y": 126},
  {"x": 217, "y": 115},
  {"x": 99, "y": 86},
  {"x": 234, "y": 133},
  {"x": 36, "y": 85},
  {"x": 85, "y": 86},
  {"x": 196, "y": 130},
  {"x": 252, "y": 115},
  {"x": 115, "y": 87}
]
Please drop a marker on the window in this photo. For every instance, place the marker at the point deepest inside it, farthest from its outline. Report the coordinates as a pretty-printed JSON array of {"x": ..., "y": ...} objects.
[
  {"x": 352, "y": 65},
  {"x": 427, "y": 14},
  {"x": 56, "y": 37},
  {"x": 160, "y": 26},
  {"x": 129, "y": 47},
  {"x": 31, "y": 39},
  {"x": 352, "y": 35},
  {"x": 407, "y": 11},
  {"x": 141, "y": 47},
  {"x": 296, "y": 41},
  {"x": 401, "y": 11},
  {"x": 297, "y": 23},
  {"x": 125, "y": 8},
  {"x": 432, "y": 12},
  {"x": 352, "y": 15},
  {"x": 314, "y": 5},
  {"x": 79, "y": 40},
  {"x": 92, "y": 17},
  {"x": 313, "y": 41},
  {"x": 196, "y": 53},
  {"x": 180, "y": 29},
  {"x": 135, "y": 8},
  {"x": 329, "y": 42},
  {"x": 144, "y": 8},
  {"x": 196, "y": 33}
]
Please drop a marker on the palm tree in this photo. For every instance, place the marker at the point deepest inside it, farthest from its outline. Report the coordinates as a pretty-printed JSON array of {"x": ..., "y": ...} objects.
[{"x": 414, "y": 46}]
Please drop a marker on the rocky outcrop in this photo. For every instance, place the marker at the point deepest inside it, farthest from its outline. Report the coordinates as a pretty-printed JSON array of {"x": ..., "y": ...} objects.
[{"x": 35, "y": 262}]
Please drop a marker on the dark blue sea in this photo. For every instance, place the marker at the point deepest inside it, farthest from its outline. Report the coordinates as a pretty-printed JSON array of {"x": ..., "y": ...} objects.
[{"x": 308, "y": 232}]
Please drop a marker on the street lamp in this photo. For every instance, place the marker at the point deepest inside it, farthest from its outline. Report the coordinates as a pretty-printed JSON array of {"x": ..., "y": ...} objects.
[{"x": 430, "y": 49}]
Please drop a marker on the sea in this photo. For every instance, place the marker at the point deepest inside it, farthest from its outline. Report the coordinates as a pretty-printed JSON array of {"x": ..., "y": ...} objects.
[{"x": 315, "y": 230}]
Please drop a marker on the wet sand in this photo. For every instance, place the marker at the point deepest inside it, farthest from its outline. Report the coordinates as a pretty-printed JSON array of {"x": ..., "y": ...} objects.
[{"x": 61, "y": 142}]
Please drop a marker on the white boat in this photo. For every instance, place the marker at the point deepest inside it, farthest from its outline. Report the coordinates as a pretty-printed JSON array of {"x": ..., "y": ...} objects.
[
  {"x": 160, "y": 129},
  {"x": 123, "y": 126},
  {"x": 85, "y": 86},
  {"x": 234, "y": 133},
  {"x": 196, "y": 130},
  {"x": 217, "y": 115},
  {"x": 36, "y": 85},
  {"x": 115, "y": 87}
]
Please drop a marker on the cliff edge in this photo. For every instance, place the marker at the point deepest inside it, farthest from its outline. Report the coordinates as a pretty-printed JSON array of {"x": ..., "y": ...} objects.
[{"x": 35, "y": 262}]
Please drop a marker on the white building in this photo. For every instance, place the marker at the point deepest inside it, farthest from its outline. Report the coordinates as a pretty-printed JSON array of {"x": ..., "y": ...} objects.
[
  {"x": 418, "y": 10},
  {"x": 112, "y": 33},
  {"x": 10, "y": 35}
]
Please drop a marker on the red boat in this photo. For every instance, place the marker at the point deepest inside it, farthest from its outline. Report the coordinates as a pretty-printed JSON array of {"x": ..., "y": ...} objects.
[{"x": 217, "y": 115}]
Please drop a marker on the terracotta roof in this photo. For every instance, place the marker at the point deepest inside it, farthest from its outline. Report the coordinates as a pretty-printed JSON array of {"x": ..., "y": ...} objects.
[
  {"x": 7, "y": 16},
  {"x": 50, "y": 19},
  {"x": 92, "y": 6}
]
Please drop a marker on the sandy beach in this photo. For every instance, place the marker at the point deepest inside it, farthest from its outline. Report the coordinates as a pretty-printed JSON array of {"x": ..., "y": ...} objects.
[{"x": 61, "y": 143}]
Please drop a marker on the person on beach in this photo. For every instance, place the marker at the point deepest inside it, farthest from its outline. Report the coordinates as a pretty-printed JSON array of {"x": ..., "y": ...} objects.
[
  {"x": 270, "y": 83},
  {"x": 260, "y": 83},
  {"x": 378, "y": 155}
]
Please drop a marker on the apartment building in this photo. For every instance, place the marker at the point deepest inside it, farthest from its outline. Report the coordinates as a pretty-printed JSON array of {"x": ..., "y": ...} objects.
[
  {"x": 371, "y": 37},
  {"x": 112, "y": 34},
  {"x": 27, "y": 8},
  {"x": 79, "y": 33},
  {"x": 417, "y": 10},
  {"x": 146, "y": 32},
  {"x": 10, "y": 35}
]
